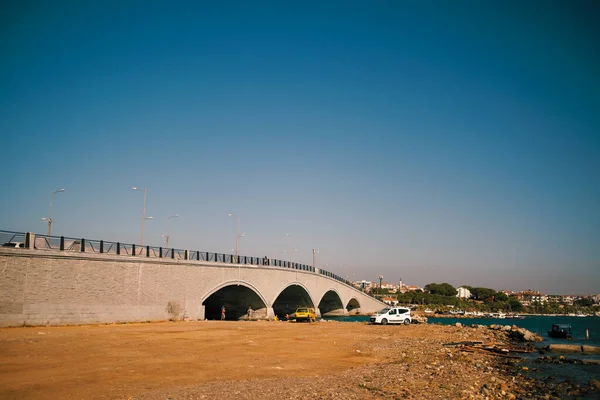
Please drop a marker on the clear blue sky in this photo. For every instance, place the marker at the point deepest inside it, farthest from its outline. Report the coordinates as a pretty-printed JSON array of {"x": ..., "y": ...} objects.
[{"x": 454, "y": 142}]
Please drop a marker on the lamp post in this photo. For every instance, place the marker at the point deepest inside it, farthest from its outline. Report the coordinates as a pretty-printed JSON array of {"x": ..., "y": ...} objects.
[
  {"x": 144, "y": 218},
  {"x": 315, "y": 251},
  {"x": 169, "y": 229},
  {"x": 238, "y": 235},
  {"x": 380, "y": 280},
  {"x": 49, "y": 219}
]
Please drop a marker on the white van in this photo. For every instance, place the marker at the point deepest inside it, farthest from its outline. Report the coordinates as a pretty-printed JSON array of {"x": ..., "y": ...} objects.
[{"x": 393, "y": 315}]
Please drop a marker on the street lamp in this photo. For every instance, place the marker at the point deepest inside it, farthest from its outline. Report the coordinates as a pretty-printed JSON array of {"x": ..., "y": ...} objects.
[
  {"x": 49, "y": 219},
  {"x": 315, "y": 251},
  {"x": 169, "y": 229},
  {"x": 238, "y": 235},
  {"x": 144, "y": 218}
]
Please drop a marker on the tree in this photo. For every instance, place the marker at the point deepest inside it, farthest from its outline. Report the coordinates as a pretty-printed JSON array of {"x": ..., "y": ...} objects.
[
  {"x": 499, "y": 296},
  {"x": 584, "y": 302},
  {"x": 380, "y": 291},
  {"x": 480, "y": 293},
  {"x": 515, "y": 305},
  {"x": 443, "y": 289}
]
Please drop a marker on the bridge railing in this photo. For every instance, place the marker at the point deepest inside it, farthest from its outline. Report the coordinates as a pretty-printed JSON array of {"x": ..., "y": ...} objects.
[
  {"x": 82, "y": 245},
  {"x": 12, "y": 237}
]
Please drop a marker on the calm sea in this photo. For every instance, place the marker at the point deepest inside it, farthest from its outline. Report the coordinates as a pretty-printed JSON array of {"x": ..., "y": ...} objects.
[{"x": 540, "y": 325}]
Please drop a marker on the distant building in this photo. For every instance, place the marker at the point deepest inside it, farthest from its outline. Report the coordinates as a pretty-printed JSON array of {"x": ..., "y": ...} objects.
[
  {"x": 389, "y": 301},
  {"x": 364, "y": 285},
  {"x": 392, "y": 287},
  {"x": 463, "y": 293}
]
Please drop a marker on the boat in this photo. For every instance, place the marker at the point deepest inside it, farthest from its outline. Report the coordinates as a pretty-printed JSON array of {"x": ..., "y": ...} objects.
[
  {"x": 560, "y": 331},
  {"x": 514, "y": 316}
]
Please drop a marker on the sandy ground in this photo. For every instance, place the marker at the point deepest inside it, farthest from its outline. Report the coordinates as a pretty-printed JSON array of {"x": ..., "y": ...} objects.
[{"x": 254, "y": 360}]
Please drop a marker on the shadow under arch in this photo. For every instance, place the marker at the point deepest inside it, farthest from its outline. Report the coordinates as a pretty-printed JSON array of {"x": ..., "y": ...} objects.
[
  {"x": 353, "y": 305},
  {"x": 291, "y": 297},
  {"x": 236, "y": 297},
  {"x": 331, "y": 303}
]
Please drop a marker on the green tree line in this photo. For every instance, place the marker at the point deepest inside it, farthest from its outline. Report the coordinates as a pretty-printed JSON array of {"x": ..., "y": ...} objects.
[{"x": 441, "y": 295}]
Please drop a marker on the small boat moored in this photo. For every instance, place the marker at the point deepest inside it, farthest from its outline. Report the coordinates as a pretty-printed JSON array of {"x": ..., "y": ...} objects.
[{"x": 560, "y": 331}]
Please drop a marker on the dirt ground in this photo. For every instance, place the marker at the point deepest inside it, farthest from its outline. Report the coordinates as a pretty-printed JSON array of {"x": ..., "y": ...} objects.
[{"x": 254, "y": 360}]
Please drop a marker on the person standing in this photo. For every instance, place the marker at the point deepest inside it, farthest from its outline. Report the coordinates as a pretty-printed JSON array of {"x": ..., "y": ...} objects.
[
  {"x": 249, "y": 313},
  {"x": 222, "y": 313}
]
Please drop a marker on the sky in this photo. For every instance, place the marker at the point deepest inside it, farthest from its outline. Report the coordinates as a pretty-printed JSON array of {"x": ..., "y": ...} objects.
[{"x": 429, "y": 141}]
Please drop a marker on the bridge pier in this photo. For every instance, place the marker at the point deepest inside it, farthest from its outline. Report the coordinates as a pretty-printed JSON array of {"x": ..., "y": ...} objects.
[{"x": 270, "y": 313}]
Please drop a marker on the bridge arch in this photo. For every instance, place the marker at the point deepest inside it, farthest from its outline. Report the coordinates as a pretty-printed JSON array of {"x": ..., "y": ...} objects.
[
  {"x": 237, "y": 297},
  {"x": 291, "y": 297},
  {"x": 353, "y": 305},
  {"x": 331, "y": 303}
]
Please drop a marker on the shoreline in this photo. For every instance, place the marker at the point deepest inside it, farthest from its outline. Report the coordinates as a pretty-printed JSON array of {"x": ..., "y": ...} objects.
[{"x": 506, "y": 318}]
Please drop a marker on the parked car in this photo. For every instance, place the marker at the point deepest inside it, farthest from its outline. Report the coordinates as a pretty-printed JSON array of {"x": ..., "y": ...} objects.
[
  {"x": 305, "y": 314},
  {"x": 393, "y": 315}
]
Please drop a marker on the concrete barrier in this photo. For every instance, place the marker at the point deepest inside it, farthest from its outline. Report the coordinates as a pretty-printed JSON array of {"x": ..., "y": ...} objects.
[{"x": 573, "y": 348}]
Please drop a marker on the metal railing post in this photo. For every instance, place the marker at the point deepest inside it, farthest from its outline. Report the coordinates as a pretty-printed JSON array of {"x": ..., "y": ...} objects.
[
  {"x": 82, "y": 245},
  {"x": 101, "y": 246},
  {"x": 62, "y": 243},
  {"x": 133, "y": 249},
  {"x": 160, "y": 252},
  {"x": 29, "y": 240},
  {"x": 118, "y": 248},
  {"x": 172, "y": 253},
  {"x": 147, "y": 251}
]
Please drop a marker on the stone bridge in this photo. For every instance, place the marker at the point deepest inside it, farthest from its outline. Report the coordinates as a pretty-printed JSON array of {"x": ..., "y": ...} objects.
[{"x": 50, "y": 287}]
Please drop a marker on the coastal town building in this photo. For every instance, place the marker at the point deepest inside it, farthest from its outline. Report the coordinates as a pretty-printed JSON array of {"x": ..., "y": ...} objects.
[
  {"x": 527, "y": 297},
  {"x": 463, "y": 293},
  {"x": 364, "y": 285},
  {"x": 368, "y": 286},
  {"x": 392, "y": 287},
  {"x": 390, "y": 301}
]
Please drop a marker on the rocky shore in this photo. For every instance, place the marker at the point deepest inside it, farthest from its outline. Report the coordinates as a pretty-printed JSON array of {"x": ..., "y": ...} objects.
[{"x": 272, "y": 360}]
